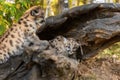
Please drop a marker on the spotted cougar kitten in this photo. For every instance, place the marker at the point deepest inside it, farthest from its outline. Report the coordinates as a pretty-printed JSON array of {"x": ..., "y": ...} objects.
[{"x": 21, "y": 34}]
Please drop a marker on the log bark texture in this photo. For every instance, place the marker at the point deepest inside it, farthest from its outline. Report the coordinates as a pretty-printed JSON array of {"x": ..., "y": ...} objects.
[{"x": 93, "y": 26}]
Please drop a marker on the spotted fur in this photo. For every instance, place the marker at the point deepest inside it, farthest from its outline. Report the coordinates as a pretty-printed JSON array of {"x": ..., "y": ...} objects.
[
  {"x": 21, "y": 34},
  {"x": 65, "y": 46}
]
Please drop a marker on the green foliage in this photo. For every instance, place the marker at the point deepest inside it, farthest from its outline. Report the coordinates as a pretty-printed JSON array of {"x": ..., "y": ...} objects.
[
  {"x": 113, "y": 50},
  {"x": 11, "y": 12}
]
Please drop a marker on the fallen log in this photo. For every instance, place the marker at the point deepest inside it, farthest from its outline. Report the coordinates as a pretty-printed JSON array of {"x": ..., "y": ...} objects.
[{"x": 94, "y": 27}]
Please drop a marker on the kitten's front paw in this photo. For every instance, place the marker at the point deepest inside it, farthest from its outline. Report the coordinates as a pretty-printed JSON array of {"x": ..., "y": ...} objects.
[
  {"x": 39, "y": 46},
  {"x": 43, "y": 44},
  {"x": 3, "y": 58}
]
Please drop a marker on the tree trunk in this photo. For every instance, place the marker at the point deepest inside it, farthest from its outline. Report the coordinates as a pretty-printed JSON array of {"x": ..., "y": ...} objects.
[{"x": 63, "y": 5}]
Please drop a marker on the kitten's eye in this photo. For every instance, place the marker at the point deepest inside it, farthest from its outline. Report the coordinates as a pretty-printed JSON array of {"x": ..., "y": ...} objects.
[{"x": 34, "y": 12}]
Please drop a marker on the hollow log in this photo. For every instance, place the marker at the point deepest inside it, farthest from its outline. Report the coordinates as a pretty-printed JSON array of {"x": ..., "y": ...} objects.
[{"x": 94, "y": 27}]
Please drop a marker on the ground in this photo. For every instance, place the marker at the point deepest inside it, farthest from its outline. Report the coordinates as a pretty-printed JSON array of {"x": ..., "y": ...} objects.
[{"x": 104, "y": 68}]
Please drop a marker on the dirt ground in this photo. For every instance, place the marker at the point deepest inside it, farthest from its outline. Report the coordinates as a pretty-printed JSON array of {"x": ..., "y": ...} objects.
[{"x": 105, "y": 68}]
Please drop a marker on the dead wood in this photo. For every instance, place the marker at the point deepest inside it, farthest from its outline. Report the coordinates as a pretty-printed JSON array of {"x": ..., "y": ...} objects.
[{"x": 94, "y": 27}]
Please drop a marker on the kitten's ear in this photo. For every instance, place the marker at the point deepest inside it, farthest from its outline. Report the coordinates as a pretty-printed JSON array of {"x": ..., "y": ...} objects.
[{"x": 34, "y": 12}]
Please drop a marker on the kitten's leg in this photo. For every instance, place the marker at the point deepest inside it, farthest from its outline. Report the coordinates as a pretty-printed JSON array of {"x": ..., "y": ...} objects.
[
  {"x": 4, "y": 57},
  {"x": 37, "y": 44}
]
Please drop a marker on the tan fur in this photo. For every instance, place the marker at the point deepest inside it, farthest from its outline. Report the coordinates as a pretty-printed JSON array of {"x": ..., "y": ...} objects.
[{"x": 21, "y": 34}]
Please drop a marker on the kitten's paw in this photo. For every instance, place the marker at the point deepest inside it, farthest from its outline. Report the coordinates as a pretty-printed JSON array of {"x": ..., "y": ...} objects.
[
  {"x": 3, "y": 58},
  {"x": 41, "y": 45}
]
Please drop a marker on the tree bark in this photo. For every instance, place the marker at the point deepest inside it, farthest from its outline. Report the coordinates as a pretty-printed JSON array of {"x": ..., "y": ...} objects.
[
  {"x": 63, "y": 5},
  {"x": 93, "y": 26}
]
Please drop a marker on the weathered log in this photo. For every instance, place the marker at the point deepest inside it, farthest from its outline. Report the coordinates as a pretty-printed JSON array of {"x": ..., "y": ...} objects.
[{"x": 94, "y": 26}]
